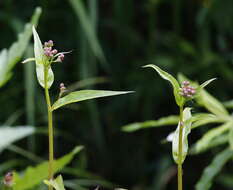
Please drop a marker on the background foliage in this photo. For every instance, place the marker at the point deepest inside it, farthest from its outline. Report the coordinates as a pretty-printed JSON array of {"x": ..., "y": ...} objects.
[{"x": 111, "y": 40}]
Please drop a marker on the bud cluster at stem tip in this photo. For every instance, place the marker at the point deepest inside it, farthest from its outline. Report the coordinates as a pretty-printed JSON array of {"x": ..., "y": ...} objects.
[
  {"x": 187, "y": 90},
  {"x": 52, "y": 53}
]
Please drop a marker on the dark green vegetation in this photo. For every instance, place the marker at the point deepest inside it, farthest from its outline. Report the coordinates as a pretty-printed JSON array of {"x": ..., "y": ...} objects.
[{"x": 191, "y": 37}]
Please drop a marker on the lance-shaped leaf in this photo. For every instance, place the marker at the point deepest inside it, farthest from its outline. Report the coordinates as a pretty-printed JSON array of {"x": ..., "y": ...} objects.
[
  {"x": 164, "y": 121},
  {"x": 175, "y": 142},
  {"x": 35, "y": 175},
  {"x": 56, "y": 183},
  {"x": 41, "y": 61},
  {"x": 203, "y": 85},
  {"x": 213, "y": 169},
  {"x": 204, "y": 142},
  {"x": 82, "y": 95},
  {"x": 179, "y": 99}
]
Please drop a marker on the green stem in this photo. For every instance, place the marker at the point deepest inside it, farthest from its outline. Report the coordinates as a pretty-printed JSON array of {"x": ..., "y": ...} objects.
[
  {"x": 180, "y": 173},
  {"x": 50, "y": 125}
]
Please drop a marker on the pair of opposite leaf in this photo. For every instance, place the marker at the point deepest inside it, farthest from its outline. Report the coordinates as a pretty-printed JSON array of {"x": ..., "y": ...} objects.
[{"x": 44, "y": 62}]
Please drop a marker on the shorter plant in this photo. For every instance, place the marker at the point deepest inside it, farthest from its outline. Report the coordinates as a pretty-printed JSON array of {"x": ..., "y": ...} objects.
[
  {"x": 45, "y": 56},
  {"x": 183, "y": 93}
]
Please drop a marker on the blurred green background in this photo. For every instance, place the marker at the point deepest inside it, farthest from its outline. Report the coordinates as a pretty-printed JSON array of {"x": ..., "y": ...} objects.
[{"x": 110, "y": 41}]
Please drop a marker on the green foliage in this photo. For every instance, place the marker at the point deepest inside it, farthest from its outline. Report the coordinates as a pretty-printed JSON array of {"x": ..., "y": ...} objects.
[
  {"x": 213, "y": 169},
  {"x": 84, "y": 95},
  {"x": 175, "y": 139},
  {"x": 33, "y": 176},
  {"x": 9, "y": 135},
  {"x": 179, "y": 99},
  {"x": 8, "y": 58},
  {"x": 56, "y": 183},
  {"x": 164, "y": 121}
]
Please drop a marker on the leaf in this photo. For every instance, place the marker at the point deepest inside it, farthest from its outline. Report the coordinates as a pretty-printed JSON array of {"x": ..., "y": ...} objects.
[
  {"x": 207, "y": 119},
  {"x": 211, "y": 103},
  {"x": 41, "y": 61},
  {"x": 170, "y": 120},
  {"x": 8, "y": 135},
  {"x": 35, "y": 175},
  {"x": 213, "y": 169},
  {"x": 203, "y": 85},
  {"x": 8, "y": 58},
  {"x": 32, "y": 59},
  {"x": 217, "y": 141},
  {"x": 88, "y": 28},
  {"x": 56, "y": 184},
  {"x": 179, "y": 99},
  {"x": 175, "y": 142},
  {"x": 82, "y": 95},
  {"x": 231, "y": 138},
  {"x": 204, "y": 142}
]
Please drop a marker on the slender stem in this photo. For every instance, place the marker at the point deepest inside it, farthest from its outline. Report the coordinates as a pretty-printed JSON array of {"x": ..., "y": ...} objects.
[
  {"x": 180, "y": 173},
  {"x": 50, "y": 125}
]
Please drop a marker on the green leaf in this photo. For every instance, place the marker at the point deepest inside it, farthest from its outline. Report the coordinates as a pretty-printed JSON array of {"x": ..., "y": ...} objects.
[
  {"x": 203, "y": 85},
  {"x": 213, "y": 169},
  {"x": 217, "y": 141},
  {"x": 88, "y": 28},
  {"x": 175, "y": 142},
  {"x": 82, "y": 95},
  {"x": 170, "y": 120},
  {"x": 211, "y": 103},
  {"x": 8, "y": 135},
  {"x": 32, "y": 59},
  {"x": 228, "y": 104},
  {"x": 179, "y": 99},
  {"x": 231, "y": 138},
  {"x": 56, "y": 184},
  {"x": 207, "y": 119},
  {"x": 8, "y": 58},
  {"x": 204, "y": 142},
  {"x": 41, "y": 61},
  {"x": 35, "y": 175}
]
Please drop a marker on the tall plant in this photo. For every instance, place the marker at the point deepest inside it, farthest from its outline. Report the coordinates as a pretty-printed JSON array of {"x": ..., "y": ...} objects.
[
  {"x": 45, "y": 57},
  {"x": 183, "y": 92}
]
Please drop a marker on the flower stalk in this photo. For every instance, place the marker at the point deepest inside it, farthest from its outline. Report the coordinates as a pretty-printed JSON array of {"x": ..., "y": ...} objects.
[
  {"x": 50, "y": 125},
  {"x": 180, "y": 145}
]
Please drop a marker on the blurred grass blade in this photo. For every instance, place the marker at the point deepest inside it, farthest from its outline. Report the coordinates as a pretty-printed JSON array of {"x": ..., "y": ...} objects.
[
  {"x": 204, "y": 142},
  {"x": 228, "y": 104},
  {"x": 179, "y": 99},
  {"x": 164, "y": 121},
  {"x": 8, "y": 58},
  {"x": 88, "y": 28},
  {"x": 35, "y": 175},
  {"x": 213, "y": 169},
  {"x": 85, "y": 95},
  {"x": 9, "y": 135}
]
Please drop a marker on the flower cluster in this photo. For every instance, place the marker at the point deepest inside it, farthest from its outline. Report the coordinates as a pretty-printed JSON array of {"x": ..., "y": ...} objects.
[
  {"x": 186, "y": 90},
  {"x": 8, "y": 179},
  {"x": 52, "y": 53}
]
